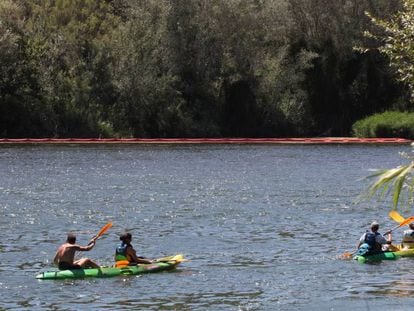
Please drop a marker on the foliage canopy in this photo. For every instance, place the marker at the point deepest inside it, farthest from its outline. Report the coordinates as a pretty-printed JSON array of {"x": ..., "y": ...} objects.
[{"x": 189, "y": 68}]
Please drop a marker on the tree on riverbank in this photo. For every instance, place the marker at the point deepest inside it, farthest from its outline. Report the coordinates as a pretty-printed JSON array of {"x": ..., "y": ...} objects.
[
  {"x": 398, "y": 44},
  {"x": 189, "y": 68}
]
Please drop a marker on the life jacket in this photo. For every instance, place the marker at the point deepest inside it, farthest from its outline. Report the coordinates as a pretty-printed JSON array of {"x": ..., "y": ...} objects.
[
  {"x": 363, "y": 250},
  {"x": 121, "y": 259},
  {"x": 370, "y": 239}
]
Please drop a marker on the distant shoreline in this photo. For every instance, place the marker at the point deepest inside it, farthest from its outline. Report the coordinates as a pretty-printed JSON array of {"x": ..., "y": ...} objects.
[{"x": 303, "y": 141}]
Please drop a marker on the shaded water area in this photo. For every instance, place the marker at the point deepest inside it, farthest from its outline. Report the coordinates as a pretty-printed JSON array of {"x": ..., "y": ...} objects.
[{"x": 262, "y": 226}]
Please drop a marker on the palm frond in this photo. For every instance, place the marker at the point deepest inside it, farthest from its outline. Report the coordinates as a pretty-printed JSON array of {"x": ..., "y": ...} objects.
[
  {"x": 386, "y": 177},
  {"x": 394, "y": 179}
]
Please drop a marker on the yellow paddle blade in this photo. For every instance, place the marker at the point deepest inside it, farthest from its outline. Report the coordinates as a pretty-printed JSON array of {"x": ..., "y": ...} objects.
[
  {"x": 104, "y": 229},
  {"x": 164, "y": 259},
  {"x": 177, "y": 258},
  {"x": 396, "y": 216}
]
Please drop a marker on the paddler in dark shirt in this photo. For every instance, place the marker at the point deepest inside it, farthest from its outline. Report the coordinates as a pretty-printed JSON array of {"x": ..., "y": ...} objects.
[
  {"x": 125, "y": 254},
  {"x": 65, "y": 255},
  {"x": 375, "y": 241}
]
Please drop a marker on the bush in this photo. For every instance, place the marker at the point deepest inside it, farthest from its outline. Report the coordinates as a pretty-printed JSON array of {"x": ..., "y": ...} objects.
[{"x": 387, "y": 124}]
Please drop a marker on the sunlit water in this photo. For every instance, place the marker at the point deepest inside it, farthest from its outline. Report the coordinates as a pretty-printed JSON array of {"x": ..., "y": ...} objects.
[{"x": 261, "y": 225}]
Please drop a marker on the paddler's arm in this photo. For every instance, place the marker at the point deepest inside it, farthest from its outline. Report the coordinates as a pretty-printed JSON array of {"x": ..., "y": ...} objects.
[
  {"x": 389, "y": 238},
  {"x": 133, "y": 255},
  {"x": 357, "y": 248},
  {"x": 57, "y": 255},
  {"x": 360, "y": 242},
  {"x": 90, "y": 245},
  {"x": 143, "y": 260}
]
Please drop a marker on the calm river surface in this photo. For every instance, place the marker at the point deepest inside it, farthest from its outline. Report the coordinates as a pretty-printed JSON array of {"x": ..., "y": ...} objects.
[{"x": 261, "y": 225}]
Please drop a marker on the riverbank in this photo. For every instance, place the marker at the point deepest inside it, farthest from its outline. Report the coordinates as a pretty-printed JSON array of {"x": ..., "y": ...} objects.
[{"x": 303, "y": 141}]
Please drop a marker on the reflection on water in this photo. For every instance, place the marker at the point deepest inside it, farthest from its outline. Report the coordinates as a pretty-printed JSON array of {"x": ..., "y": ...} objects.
[
  {"x": 261, "y": 225},
  {"x": 388, "y": 284},
  {"x": 401, "y": 288}
]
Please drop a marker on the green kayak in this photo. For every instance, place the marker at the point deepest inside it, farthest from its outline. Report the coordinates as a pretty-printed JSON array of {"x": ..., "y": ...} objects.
[
  {"x": 385, "y": 256},
  {"x": 162, "y": 264}
]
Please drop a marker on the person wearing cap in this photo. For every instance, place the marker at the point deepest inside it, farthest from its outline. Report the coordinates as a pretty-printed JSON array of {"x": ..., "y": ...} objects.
[
  {"x": 408, "y": 238},
  {"x": 125, "y": 254},
  {"x": 65, "y": 255},
  {"x": 374, "y": 242}
]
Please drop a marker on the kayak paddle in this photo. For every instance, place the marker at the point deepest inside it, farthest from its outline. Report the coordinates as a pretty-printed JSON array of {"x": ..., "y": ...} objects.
[
  {"x": 403, "y": 223},
  {"x": 347, "y": 255},
  {"x": 396, "y": 216},
  {"x": 104, "y": 229},
  {"x": 177, "y": 258}
]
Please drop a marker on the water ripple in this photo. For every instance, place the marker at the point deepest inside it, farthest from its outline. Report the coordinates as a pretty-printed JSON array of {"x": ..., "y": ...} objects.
[{"x": 262, "y": 225}]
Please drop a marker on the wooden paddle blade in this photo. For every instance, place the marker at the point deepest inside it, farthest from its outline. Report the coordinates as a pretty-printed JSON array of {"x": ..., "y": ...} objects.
[
  {"x": 104, "y": 229},
  {"x": 396, "y": 216}
]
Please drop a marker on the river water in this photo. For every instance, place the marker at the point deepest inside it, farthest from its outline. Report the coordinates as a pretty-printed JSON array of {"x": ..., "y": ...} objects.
[{"x": 262, "y": 226}]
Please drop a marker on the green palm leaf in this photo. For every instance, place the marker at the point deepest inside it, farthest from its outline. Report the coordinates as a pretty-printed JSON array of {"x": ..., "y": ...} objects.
[{"x": 394, "y": 179}]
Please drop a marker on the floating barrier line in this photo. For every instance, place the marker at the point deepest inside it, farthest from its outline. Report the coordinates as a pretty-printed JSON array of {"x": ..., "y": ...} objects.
[{"x": 303, "y": 141}]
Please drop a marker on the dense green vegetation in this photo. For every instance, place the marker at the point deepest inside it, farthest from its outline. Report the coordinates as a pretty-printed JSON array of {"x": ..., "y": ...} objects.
[
  {"x": 192, "y": 68},
  {"x": 387, "y": 124}
]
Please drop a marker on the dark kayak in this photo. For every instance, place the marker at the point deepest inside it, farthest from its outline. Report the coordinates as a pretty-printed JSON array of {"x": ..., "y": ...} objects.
[{"x": 163, "y": 264}]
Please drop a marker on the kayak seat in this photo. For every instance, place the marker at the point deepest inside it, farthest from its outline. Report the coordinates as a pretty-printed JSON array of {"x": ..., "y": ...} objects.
[{"x": 121, "y": 263}]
